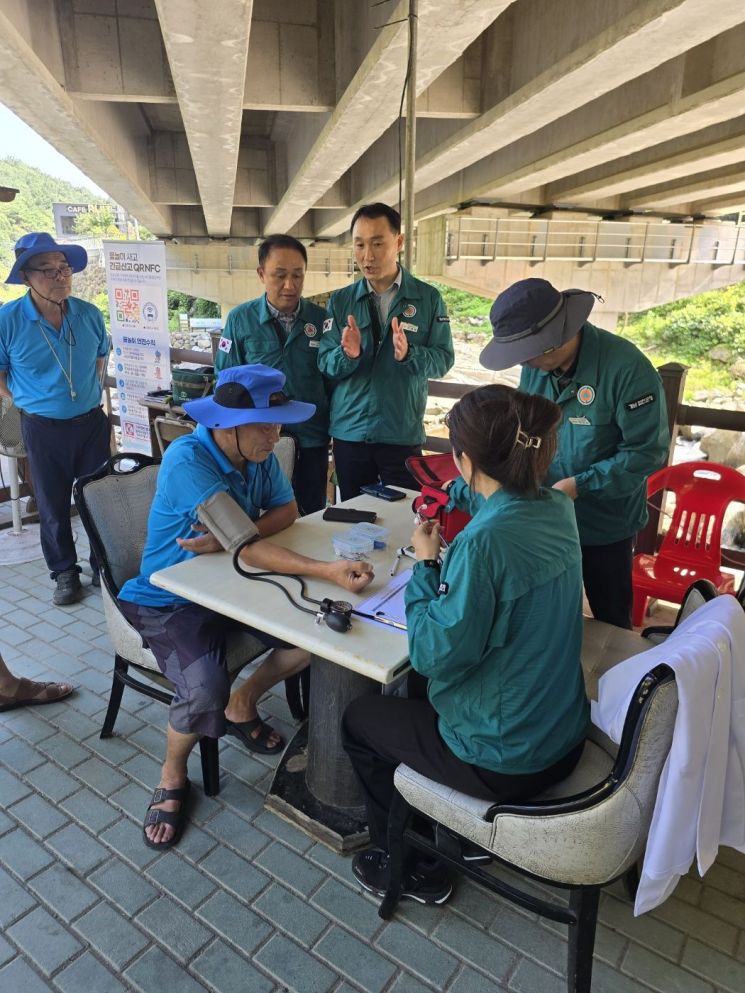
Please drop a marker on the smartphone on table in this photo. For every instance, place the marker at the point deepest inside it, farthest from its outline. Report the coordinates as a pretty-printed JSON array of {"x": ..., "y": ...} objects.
[{"x": 383, "y": 492}]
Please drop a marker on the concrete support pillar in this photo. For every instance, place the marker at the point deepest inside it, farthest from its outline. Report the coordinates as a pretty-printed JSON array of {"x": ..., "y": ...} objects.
[{"x": 606, "y": 319}]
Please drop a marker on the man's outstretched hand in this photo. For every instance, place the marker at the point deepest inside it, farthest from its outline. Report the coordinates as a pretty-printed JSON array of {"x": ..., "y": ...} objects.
[
  {"x": 352, "y": 576},
  {"x": 351, "y": 339},
  {"x": 400, "y": 341}
]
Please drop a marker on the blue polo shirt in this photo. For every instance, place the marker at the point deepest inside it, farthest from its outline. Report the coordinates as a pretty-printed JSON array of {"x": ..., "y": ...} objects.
[
  {"x": 34, "y": 363},
  {"x": 193, "y": 470}
]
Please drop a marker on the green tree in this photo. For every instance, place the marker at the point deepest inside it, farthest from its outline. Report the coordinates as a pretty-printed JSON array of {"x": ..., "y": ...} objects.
[{"x": 98, "y": 223}]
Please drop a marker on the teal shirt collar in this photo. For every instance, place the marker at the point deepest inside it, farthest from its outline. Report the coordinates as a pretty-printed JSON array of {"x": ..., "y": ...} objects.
[{"x": 586, "y": 370}]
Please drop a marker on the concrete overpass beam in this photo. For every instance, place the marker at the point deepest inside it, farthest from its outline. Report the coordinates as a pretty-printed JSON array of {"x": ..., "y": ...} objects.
[
  {"x": 557, "y": 65},
  {"x": 716, "y": 147},
  {"x": 109, "y": 141},
  {"x": 207, "y": 46},
  {"x": 702, "y": 186},
  {"x": 288, "y": 57},
  {"x": 114, "y": 53},
  {"x": 369, "y": 105}
]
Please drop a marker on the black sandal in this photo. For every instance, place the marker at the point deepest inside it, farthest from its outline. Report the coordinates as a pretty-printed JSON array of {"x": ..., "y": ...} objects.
[
  {"x": 174, "y": 818},
  {"x": 255, "y": 743}
]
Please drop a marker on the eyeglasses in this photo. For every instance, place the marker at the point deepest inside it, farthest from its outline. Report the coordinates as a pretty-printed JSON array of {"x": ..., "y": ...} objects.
[{"x": 63, "y": 270}]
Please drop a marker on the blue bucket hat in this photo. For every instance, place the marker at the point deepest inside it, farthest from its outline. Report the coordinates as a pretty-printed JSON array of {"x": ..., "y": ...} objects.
[
  {"x": 532, "y": 317},
  {"x": 39, "y": 242},
  {"x": 248, "y": 394}
]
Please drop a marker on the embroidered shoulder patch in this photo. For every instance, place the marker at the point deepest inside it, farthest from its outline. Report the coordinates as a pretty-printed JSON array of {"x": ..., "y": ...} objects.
[
  {"x": 443, "y": 320},
  {"x": 327, "y": 324},
  {"x": 641, "y": 401},
  {"x": 225, "y": 344},
  {"x": 442, "y": 589}
]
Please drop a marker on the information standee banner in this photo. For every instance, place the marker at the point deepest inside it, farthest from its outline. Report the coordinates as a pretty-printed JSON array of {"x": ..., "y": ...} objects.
[{"x": 136, "y": 282}]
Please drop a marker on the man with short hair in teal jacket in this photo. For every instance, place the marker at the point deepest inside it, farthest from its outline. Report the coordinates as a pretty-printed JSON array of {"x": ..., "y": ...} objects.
[
  {"x": 614, "y": 433},
  {"x": 385, "y": 336},
  {"x": 282, "y": 330}
]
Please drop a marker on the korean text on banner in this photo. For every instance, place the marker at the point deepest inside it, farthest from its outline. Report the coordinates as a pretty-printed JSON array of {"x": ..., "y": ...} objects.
[{"x": 136, "y": 282}]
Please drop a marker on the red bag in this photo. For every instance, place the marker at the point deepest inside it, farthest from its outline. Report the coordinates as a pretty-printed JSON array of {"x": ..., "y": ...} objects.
[{"x": 432, "y": 472}]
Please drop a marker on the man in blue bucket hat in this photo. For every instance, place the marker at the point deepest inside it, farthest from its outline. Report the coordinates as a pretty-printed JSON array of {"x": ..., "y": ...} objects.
[
  {"x": 224, "y": 480},
  {"x": 53, "y": 350}
]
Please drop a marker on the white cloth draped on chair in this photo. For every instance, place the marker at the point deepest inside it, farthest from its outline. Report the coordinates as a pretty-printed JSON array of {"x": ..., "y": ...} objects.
[{"x": 701, "y": 796}]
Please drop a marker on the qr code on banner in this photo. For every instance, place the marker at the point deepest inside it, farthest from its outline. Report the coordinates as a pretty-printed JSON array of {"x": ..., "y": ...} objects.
[{"x": 127, "y": 305}]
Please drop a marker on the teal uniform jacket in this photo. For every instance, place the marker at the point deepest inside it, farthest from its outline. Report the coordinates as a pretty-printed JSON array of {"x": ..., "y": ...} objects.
[
  {"x": 375, "y": 398},
  {"x": 251, "y": 335},
  {"x": 614, "y": 433},
  {"x": 498, "y": 633}
]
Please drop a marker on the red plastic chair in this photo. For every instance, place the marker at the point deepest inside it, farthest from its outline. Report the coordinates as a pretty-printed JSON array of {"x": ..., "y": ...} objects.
[{"x": 691, "y": 549}]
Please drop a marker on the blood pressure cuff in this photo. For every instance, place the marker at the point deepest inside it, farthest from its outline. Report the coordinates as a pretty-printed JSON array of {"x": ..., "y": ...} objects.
[{"x": 228, "y": 522}]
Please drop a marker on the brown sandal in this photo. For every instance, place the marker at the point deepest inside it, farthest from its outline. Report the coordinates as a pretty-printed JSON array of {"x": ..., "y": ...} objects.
[{"x": 29, "y": 693}]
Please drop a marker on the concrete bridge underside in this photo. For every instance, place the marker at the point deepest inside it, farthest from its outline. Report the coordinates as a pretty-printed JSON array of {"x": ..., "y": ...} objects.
[{"x": 218, "y": 122}]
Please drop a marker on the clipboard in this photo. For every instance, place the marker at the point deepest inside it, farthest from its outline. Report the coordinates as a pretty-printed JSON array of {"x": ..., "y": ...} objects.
[{"x": 388, "y": 603}]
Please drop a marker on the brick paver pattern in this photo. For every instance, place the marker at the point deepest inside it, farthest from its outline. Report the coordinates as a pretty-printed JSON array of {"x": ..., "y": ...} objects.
[{"x": 247, "y": 903}]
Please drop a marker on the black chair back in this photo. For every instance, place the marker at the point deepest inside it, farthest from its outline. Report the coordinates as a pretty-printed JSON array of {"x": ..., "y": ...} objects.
[{"x": 114, "y": 505}]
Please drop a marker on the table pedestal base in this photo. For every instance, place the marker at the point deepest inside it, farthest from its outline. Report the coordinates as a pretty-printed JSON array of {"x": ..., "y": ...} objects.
[
  {"x": 315, "y": 786},
  {"x": 343, "y": 829}
]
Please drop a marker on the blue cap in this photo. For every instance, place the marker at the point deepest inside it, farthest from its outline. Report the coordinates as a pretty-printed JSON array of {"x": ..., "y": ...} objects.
[
  {"x": 39, "y": 242},
  {"x": 248, "y": 394}
]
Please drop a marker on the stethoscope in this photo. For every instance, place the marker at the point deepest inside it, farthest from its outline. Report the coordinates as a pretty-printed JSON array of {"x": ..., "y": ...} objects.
[{"x": 335, "y": 614}]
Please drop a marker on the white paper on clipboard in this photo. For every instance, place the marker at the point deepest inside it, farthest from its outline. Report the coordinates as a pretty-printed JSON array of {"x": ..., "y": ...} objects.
[{"x": 388, "y": 602}]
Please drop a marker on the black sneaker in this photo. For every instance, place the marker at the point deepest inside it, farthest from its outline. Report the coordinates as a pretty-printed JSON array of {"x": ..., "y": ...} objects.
[
  {"x": 69, "y": 589},
  {"x": 425, "y": 883}
]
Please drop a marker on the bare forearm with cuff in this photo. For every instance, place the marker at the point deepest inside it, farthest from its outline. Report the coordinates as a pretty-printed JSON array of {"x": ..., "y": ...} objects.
[{"x": 228, "y": 522}]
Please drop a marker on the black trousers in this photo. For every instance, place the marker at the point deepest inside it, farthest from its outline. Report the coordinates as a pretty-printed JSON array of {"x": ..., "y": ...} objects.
[
  {"x": 361, "y": 464},
  {"x": 380, "y": 732},
  {"x": 310, "y": 478},
  {"x": 606, "y": 571},
  {"x": 59, "y": 451}
]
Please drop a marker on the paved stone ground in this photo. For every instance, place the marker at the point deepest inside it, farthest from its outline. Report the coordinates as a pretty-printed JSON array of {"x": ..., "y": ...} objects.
[{"x": 248, "y": 904}]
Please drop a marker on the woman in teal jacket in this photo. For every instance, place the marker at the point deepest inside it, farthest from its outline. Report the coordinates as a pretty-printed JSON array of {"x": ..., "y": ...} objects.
[{"x": 496, "y": 707}]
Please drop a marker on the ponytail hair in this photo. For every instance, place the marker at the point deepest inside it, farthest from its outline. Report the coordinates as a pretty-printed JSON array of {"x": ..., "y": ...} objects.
[{"x": 508, "y": 435}]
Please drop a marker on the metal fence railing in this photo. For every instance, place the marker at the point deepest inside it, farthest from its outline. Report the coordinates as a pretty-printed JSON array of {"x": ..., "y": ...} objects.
[{"x": 486, "y": 239}]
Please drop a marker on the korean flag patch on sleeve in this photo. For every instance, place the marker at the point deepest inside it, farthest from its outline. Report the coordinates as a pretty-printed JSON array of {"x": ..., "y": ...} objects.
[
  {"x": 327, "y": 324},
  {"x": 224, "y": 345}
]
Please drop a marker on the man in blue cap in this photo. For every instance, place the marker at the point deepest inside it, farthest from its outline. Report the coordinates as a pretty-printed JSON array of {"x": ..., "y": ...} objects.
[
  {"x": 53, "y": 350},
  {"x": 222, "y": 479},
  {"x": 614, "y": 433}
]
